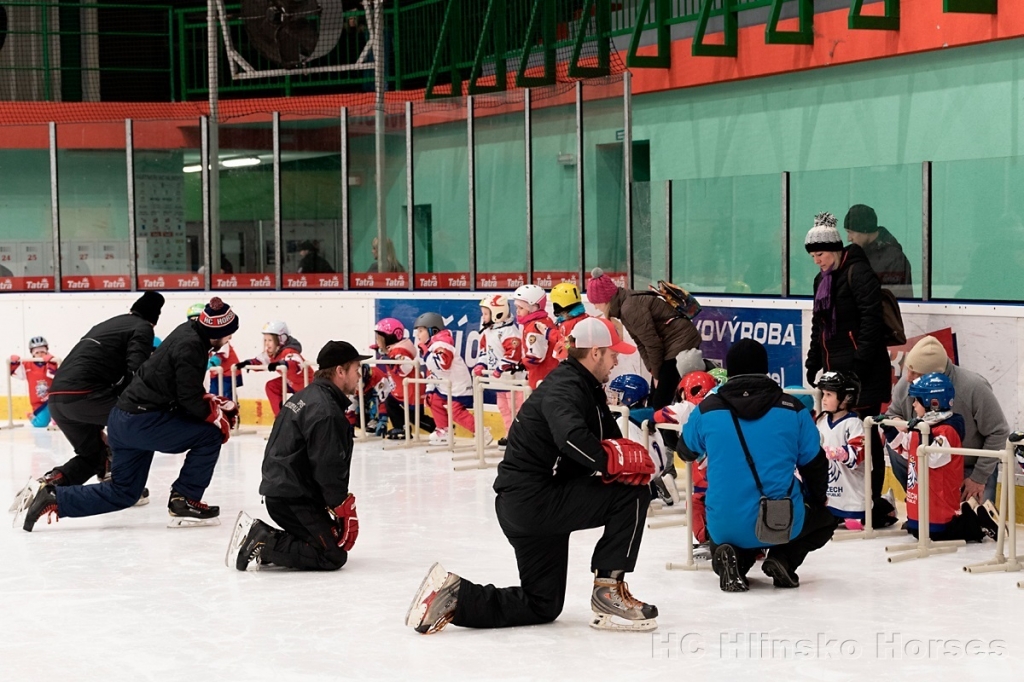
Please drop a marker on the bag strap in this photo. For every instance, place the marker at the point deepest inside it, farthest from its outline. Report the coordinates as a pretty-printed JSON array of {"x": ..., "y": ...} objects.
[{"x": 746, "y": 452}]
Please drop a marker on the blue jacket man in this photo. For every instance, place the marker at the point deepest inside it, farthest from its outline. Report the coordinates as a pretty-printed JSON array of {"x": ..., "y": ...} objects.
[{"x": 782, "y": 439}]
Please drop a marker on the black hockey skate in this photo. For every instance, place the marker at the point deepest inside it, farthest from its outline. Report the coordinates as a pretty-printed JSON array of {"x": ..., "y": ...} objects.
[
  {"x": 728, "y": 569},
  {"x": 247, "y": 542},
  {"x": 186, "y": 513},
  {"x": 778, "y": 570},
  {"x": 988, "y": 518},
  {"x": 616, "y": 609},
  {"x": 395, "y": 434},
  {"x": 44, "y": 503},
  {"x": 433, "y": 607}
]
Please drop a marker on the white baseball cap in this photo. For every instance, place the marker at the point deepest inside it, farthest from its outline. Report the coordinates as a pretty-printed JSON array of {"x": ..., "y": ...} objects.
[{"x": 595, "y": 332}]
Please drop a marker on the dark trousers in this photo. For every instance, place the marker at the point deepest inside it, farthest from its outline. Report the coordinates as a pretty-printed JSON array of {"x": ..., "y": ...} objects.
[
  {"x": 537, "y": 524},
  {"x": 82, "y": 420},
  {"x": 397, "y": 415},
  {"x": 819, "y": 525},
  {"x": 664, "y": 393},
  {"x": 307, "y": 540},
  {"x": 133, "y": 439}
]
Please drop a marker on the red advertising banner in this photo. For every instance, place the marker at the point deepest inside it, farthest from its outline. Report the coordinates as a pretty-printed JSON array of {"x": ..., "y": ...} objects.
[
  {"x": 96, "y": 283},
  {"x": 550, "y": 279},
  {"x": 378, "y": 280},
  {"x": 619, "y": 278},
  {"x": 500, "y": 280},
  {"x": 243, "y": 281},
  {"x": 183, "y": 281},
  {"x": 442, "y": 280},
  {"x": 311, "y": 281},
  {"x": 40, "y": 283}
]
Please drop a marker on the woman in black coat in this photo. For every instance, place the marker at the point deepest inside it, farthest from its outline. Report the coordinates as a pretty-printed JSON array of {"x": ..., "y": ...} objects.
[{"x": 847, "y": 332}]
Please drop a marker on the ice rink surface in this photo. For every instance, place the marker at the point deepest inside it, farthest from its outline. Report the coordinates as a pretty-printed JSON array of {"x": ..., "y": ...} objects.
[{"x": 122, "y": 597}]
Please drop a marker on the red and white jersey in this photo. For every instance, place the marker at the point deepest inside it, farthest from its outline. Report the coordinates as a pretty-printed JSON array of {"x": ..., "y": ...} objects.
[
  {"x": 656, "y": 448},
  {"x": 844, "y": 436},
  {"x": 564, "y": 331},
  {"x": 540, "y": 345},
  {"x": 676, "y": 413},
  {"x": 38, "y": 372},
  {"x": 946, "y": 475},
  {"x": 290, "y": 354},
  {"x": 500, "y": 349},
  {"x": 443, "y": 361},
  {"x": 228, "y": 360},
  {"x": 388, "y": 379}
]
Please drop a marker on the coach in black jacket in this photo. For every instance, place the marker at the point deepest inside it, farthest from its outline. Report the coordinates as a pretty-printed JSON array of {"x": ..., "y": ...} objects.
[
  {"x": 305, "y": 474},
  {"x": 165, "y": 408},
  {"x": 88, "y": 382},
  {"x": 547, "y": 488}
]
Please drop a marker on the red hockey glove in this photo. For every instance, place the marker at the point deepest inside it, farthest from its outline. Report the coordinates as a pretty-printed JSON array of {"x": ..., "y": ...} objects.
[
  {"x": 479, "y": 370},
  {"x": 628, "y": 462},
  {"x": 229, "y": 408},
  {"x": 218, "y": 418},
  {"x": 347, "y": 523}
]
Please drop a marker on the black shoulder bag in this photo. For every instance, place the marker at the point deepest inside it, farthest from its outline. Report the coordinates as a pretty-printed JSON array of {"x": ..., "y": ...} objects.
[{"x": 774, "y": 517}]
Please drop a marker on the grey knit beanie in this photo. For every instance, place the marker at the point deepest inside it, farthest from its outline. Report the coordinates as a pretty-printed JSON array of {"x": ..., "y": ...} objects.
[{"x": 823, "y": 236}]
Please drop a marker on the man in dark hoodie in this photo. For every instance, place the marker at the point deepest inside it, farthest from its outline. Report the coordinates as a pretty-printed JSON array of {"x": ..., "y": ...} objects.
[
  {"x": 883, "y": 251},
  {"x": 312, "y": 261},
  {"x": 165, "y": 408},
  {"x": 751, "y": 413},
  {"x": 89, "y": 381}
]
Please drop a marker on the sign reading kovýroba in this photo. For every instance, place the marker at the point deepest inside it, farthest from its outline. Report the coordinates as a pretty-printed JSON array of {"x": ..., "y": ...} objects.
[{"x": 780, "y": 331}]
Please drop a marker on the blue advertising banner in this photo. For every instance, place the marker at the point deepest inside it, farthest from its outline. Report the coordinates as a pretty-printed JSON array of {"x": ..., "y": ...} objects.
[
  {"x": 461, "y": 316},
  {"x": 781, "y": 332}
]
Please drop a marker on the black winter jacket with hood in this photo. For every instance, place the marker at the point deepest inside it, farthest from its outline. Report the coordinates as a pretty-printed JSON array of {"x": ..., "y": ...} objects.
[
  {"x": 858, "y": 344},
  {"x": 106, "y": 358}
]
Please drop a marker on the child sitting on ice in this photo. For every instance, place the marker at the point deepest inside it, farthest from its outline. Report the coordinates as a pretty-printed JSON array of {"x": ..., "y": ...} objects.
[{"x": 442, "y": 359}]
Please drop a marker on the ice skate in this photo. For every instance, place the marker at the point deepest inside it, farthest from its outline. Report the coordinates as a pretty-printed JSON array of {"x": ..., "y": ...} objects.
[
  {"x": 503, "y": 443},
  {"x": 988, "y": 517},
  {"x": 24, "y": 496},
  {"x": 186, "y": 513},
  {"x": 247, "y": 542},
  {"x": 143, "y": 499},
  {"x": 395, "y": 434},
  {"x": 616, "y": 609},
  {"x": 433, "y": 607},
  {"x": 727, "y": 567},
  {"x": 666, "y": 493},
  {"x": 702, "y": 551},
  {"x": 488, "y": 437},
  {"x": 439, "y": 437},
  {"x": 778, "y": 570},
  {"x": 44, "y": 503}
]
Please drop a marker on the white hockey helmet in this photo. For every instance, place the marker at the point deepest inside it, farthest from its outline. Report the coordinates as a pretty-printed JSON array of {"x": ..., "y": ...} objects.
[
  {"x": 500, "y": 313},
  {"x": 277, "y": 327},
  {"x": 37, "y": 342},
  {"x": 532, "y": 294}
]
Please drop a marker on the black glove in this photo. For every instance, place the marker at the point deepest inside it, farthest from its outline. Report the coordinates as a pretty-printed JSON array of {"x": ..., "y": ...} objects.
[
  {"x": 811, "y": 375},
  {"x": 243, "y": 363},
  {"x": 913, "y": 423},
  {"x": 652, "y": 426},
  {"x": 274, "y": 365}
]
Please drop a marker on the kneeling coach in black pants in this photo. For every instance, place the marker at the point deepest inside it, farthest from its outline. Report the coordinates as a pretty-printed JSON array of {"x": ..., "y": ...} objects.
[
  {"x": 305, "y": 476},
  {"x": 562, "y": 436}
]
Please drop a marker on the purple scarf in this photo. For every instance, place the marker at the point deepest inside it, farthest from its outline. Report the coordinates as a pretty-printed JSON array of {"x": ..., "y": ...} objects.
[{"x": 823, "y": 304}]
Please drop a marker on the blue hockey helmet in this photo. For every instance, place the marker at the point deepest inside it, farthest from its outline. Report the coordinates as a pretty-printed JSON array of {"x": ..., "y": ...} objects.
[
  {"x": 935, "y": 391},
  {"x": 631, "y": 388}
]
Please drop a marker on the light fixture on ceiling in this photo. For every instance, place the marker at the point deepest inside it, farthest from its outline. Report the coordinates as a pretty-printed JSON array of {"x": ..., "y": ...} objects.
[
  {"x": 193, "y": 168},
  {"x": 241, "y": 162}
]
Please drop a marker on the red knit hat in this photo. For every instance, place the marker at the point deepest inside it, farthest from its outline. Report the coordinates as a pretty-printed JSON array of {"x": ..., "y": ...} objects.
[{"x": 600, "y": 287}]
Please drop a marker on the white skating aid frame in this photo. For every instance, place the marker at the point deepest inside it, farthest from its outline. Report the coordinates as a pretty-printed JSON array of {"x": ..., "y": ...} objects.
[
  {"x": 283, "y": 371},
  {"x": 444, "y": 383},
  {"x": 623, "y": 418},
  {"x": 1007, "y": 535},
  {"x": 869, "y": 532},
  {"x": 689, "y": 564},
  {"x": 515, "y": 387},
  {"x": 670, "y": 516}
]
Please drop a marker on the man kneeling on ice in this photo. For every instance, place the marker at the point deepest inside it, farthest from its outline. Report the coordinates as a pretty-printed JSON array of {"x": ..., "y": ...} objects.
[
  {"x": 305, "y": 476},
  {"x": 563, "y": 434}
]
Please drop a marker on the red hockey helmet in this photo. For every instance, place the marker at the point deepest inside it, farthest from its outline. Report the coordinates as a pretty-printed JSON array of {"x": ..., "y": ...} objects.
[{"x": 695, "y": 386}]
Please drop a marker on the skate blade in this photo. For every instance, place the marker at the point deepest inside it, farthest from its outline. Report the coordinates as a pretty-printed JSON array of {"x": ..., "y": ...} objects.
[
  {"x": 243, "y": 522},
  {"x": 431, "y": 583},
  {"x": 604, "y": 621},
  {"x": 24, "y": 497},
  {"x": 186, "y": 522},
  {"x": 143, "y": 501}
]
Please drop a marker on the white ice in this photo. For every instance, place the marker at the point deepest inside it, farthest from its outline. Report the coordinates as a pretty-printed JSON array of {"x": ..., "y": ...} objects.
[{"x": 122, "y": 597}]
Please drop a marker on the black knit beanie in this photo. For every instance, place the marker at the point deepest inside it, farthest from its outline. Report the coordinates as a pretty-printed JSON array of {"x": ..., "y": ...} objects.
[
  {"x": 148, "y": 306},
  {"x": 746, "y": 356}
]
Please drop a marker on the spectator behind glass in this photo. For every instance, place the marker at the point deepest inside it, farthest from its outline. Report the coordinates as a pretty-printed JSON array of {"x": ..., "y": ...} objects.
[
  {"x": 312, "y": 262},
  {"x": 883, "y": 251},
  {"x": 390, "y": 259}
]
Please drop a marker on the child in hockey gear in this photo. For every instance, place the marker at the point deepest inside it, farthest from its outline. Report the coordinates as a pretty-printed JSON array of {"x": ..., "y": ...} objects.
[
  {"x": 305, "y": 476},
  {"x": 631, "y": 390},
  {"x": 391, "y": 343},
  {"x": 842, "y": 439},
  {"x": 720, "y": 375},
  {"x": 280, "y": 350},
  {"x": 933, "y": 396},
  {"x": 540, "y": 336},
  {"x": 90, "y": 379},
  {"x": 220, "y": 382},
  {"x": 38, "y": 371},
  {"x": 569, "y": 310},
  {"x": 566, "y": 468},
  {"x": 500, "y": 352},
  {"x": 442, "y": 359},
  {"x": 165, "y": 408}
]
